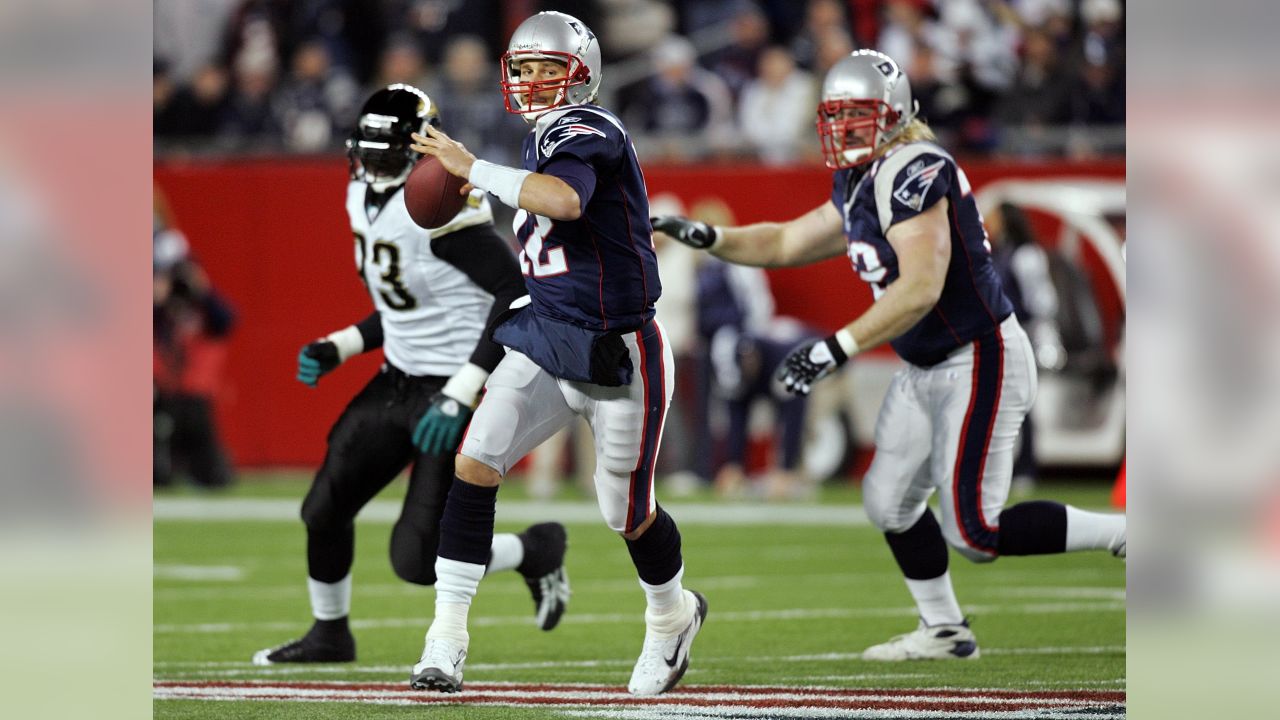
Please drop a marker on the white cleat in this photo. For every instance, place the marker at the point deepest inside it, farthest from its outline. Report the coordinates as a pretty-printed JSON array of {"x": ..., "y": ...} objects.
[
  {"x": 665, "y": 657},
  {"x": 1120, "y": 548},
  {"x": 926, "y": 642},
  {"x": 440, "y": 668}
]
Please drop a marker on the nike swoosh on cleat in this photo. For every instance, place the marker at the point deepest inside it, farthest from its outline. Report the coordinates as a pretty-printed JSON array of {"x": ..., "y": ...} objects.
[{"x": 671, "y": 661}]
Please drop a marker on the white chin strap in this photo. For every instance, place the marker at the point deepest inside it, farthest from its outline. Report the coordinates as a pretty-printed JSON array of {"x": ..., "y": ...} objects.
[
  {"x": 532, "y": 116},
  {"x": 856, "y": 155}
]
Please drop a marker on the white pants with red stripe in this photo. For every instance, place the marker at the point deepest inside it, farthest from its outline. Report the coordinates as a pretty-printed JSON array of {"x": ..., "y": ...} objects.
[
  {"x": 952, "y": 428},
  {"x": 524, "y": 405}
]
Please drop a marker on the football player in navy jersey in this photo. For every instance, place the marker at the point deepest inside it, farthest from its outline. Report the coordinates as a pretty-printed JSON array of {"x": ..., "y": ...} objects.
[
  {"x": 433, "y": 295},
  {"x": 585, "y": 343},
  {"x": 901, "y": 208}
]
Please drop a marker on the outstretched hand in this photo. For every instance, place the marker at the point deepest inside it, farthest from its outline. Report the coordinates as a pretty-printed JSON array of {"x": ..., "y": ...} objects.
[
  {"x": 809, "y": 363},
  {"x": 453, "y": 155},
  {"x": 695, "y": 234}
]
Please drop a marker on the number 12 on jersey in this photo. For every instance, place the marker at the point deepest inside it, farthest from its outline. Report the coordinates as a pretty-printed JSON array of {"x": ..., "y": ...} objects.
[{"x": 532, "y": 237}]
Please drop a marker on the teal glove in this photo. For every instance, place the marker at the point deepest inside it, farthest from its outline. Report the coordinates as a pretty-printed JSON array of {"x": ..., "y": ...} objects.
[
  {"x": 440, "y": 429},
  {"x": 316, "y": 359}
]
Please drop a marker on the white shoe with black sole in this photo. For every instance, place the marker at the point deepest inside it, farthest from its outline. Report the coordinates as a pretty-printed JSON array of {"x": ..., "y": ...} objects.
[
  {"x": 928, "y": 642},
  {"x": 664, "y": 658},
  {"x": 440, "y": 668}
]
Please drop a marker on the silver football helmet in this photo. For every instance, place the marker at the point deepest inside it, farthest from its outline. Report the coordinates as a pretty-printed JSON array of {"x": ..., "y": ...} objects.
[
  {"x": 866, "y": 102},
  {"x": 561, "y": 38}
]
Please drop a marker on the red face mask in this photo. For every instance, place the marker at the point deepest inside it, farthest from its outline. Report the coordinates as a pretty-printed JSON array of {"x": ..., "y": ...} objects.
[
  {"x": 513, "y": 89},
  {"x": 850, "y": 130}
]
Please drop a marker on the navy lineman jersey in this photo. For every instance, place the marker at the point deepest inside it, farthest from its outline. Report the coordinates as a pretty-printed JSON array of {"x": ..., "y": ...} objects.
[
  {"x": 907, "y": 181},
  {"x": 597, "y": 272}
]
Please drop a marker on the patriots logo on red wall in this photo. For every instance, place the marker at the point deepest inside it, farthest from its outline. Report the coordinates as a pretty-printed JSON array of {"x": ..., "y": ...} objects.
[
  {"x": 915, "y": 186},
  {"x": 564, "y": 132}
]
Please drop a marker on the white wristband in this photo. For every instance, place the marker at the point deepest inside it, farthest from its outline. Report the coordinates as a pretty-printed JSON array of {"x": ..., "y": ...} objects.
[
  {"x": 503, "y": 181},
  {"x": 847, "y": 343},
  {"x": 348, "y": 340},
  {"x": 466, "y": 384}
]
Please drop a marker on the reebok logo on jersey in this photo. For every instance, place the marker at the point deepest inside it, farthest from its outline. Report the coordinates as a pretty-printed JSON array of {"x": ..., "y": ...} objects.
[
  {"x": 564, "y": 132},
  {"x": 915, "y": 187}
]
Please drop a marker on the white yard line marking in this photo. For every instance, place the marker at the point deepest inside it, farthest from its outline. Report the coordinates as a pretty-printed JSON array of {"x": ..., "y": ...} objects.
[
  {"x": 239, "y": 669},
  {"x": 617, "y": 618},
  {"x": 199, "y": 573}
]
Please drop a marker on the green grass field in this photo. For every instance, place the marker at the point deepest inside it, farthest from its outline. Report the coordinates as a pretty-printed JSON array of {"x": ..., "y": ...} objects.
[{"x": 792, "y": 602}]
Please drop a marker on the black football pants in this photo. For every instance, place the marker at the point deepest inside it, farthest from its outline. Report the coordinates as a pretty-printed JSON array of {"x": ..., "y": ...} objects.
[{"x": 368, "y": 446}]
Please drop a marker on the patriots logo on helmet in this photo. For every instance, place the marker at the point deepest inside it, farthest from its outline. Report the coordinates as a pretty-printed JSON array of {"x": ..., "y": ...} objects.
[
  {"x": 563, "y": 133},
  {"x": 915, "y": 187},
  {"x": 887, "y": 68}
]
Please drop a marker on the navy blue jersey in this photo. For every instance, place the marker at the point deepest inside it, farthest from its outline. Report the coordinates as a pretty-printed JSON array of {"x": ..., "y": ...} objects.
[
  {"x": 599, "y": 271},
  {"x": 907, "y": 181}
]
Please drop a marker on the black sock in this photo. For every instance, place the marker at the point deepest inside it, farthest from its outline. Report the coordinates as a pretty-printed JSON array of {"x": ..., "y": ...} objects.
[
  {"x": 921, "y": 551},
  {"x": 466, "y": 527},
  {"x": 1033, "y": 528},
  {"x": 656, "y": 553},
  {"x": 326, "y": 630}
]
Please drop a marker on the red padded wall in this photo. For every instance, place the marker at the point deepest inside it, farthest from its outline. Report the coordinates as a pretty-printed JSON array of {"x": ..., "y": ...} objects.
[{"x": 274, "y": 237}]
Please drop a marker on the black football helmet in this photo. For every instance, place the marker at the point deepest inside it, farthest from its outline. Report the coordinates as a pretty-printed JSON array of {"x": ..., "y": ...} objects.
[{"x": 378, "y": 149}]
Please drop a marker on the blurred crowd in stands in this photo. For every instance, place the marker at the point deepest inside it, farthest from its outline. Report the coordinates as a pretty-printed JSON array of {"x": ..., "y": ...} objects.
[{"x": 696, "y": 80}]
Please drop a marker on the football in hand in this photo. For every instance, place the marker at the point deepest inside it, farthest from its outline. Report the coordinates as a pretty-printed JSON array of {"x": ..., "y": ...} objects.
[{"x": 432, "y": 194}]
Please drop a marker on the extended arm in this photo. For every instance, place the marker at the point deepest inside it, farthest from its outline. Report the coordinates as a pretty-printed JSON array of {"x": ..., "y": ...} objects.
[
  {"x": 539, "y": 193},
  {"x": 816, "y": 235},
  {"x": 923, "y": 247}
]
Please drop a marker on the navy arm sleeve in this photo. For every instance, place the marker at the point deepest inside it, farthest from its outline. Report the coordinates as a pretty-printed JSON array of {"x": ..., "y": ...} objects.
[
  {"x": 577, "y": 173},
  {"x": 485, "y": 258},
  {"x": 371, "y": 330}
]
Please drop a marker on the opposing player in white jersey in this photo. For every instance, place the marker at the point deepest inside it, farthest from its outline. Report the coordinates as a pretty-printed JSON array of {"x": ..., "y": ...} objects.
[
  {"x": 585, "y": 345},
  {"x": 901, "y": 208},
  {"x": 434, "y": 292}
]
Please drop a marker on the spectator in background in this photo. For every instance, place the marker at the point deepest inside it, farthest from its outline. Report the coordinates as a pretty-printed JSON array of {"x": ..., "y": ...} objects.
[
  {"x": 820, "y": 17},
  {"x": 190, "y": 111},
  {"x": 433, "y": 23},
  {"x": 313, "y": 98},
  {"x": 833, "y": 45},
  {"x": 698, "y": 15},
  {"x": 1038, "y": 97},
  {"x": 633, "y": 26},
  {"x": 466, "y": 88},
  {"x": 941, "y": 103},
  {"x": 775, "y": 115},
  {"x": 1097, "y": 96},
  {"x": 190, "y": 324},
  {"x": 904, "y": 28},
  {"x": 250, "y": 120},
  {"x": 736, "y": 64},
  {"x": 747, "y": 343},
  {"x": 352, "y": 31},
  {"x": 1023, "y": 266},
  {"x": 685, "y": 109},
  {"x": 677, "y": 311},
  {"x": 401, "y": 62}
]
